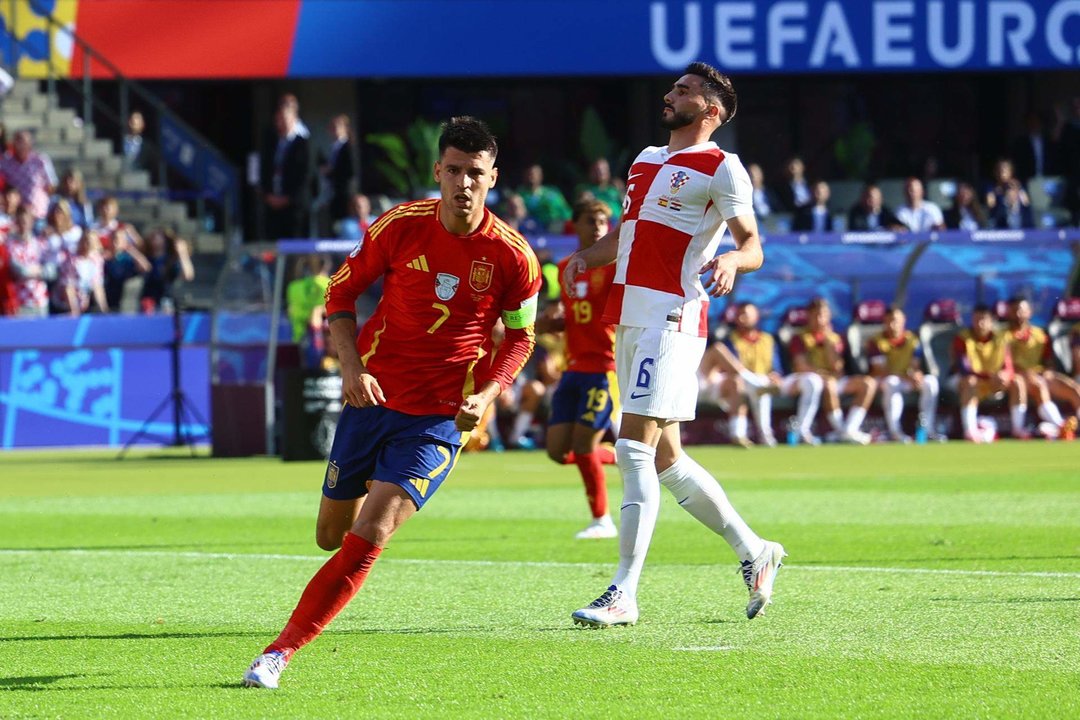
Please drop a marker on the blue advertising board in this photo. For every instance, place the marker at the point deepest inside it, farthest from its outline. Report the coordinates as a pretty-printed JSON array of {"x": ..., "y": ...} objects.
[{"x": 441, "y": 38}]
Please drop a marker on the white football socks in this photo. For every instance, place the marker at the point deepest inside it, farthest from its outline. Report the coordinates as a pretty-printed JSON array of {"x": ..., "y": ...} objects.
[
  {"x": 892, "y": 401},
  {"x": 640, "y": 505},
  {"x": 697, "y": 491},
  {"x": 855, "y": 416},
  {"x": 1018, "y": 414},
  {"x": 810, "y": 388},
  {"x": 1049, "y": 412}
]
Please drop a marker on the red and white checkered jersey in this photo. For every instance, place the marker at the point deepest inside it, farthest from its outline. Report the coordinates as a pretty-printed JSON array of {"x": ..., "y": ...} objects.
[{"x": 674, "y": 214}]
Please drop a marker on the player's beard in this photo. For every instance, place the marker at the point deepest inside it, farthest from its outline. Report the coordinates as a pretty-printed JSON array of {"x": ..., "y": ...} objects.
[{"x": 677, "y": 119}]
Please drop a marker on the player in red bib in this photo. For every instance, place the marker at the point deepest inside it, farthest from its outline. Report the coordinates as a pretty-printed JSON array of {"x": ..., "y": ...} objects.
[
  {"x": 679, "y": 199},
  {"x": 585, "y": 399},
  {"x": 421, "y": 373}
]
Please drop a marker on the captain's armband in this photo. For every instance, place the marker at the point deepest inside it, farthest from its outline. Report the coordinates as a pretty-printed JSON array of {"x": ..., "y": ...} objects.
[{"x": 523, "y": 317}]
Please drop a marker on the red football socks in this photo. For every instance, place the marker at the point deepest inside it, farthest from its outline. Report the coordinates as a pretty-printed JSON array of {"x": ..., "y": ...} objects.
[
  {"x": 606, "y": 453},
  {"x": 592, "y": 473},
  {"x": 327, "y": 593}
]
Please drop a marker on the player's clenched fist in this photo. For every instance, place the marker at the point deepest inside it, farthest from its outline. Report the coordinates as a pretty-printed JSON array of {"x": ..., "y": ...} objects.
[
  {"x": 574, "y": 267},
  {"x": 470, "y": 412}
]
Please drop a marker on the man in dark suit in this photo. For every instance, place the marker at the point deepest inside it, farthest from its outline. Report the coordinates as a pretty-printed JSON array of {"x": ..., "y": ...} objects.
[
  {"x": 1033, "y": 153},
  {"x": 137, "y": 154},
  {"x": 285, "y": 181},
  {"x": 815, "y": 217},
  {"x": 794, "y": 192},
  {"x": 871, "y": 213}
]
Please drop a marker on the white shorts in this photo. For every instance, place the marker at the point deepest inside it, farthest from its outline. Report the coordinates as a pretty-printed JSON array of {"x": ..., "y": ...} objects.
[{"x": 657, "y": 372}]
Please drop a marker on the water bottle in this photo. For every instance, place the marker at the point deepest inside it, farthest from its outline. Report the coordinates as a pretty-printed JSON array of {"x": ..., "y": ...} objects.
[
  {"x": 792, "y": 431},
  {"x": 921, "y": 430}
]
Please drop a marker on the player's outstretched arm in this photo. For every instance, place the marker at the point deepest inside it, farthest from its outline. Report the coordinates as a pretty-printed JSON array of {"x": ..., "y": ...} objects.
[
  {"x": 359, "y": 388},
  {"x": 602, "y": 252},
  {"x": 746, "y": 257}
]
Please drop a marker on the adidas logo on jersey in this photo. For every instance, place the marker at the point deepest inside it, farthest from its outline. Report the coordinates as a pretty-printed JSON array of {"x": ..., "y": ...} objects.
[{"x": 419, "y": 263}]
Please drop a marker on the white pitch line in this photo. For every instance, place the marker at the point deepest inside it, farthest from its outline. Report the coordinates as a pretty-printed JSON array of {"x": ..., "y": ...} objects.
[{"x": 520, "y": 563}]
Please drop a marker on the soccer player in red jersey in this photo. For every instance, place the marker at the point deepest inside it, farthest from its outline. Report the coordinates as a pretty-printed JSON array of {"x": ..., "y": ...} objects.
[
  {"x": 585, "y": 398},
  {"x": 678, "y": 200},
  {"x": 421, "y": 373}
]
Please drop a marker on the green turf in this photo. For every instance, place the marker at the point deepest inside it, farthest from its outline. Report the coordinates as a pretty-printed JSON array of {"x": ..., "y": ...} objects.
[{"x": 923, "y": 582}]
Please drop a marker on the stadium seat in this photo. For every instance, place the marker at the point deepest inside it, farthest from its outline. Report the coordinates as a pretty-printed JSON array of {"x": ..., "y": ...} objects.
[
  {"x": 794, "y": 320},
  {"x": 843, "y": 194},
  {"x": 1046, "y": 194},
  {"x": 941, "y": 192},
  {"x": 867, "y": 320},
  {"x": 1066, "y": 315},
  {"x": 892, "y": 192},
  {"x": 941, "y": 322}
]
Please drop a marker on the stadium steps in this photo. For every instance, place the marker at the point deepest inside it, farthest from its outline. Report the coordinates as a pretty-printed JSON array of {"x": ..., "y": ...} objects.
[{"x": 61, "y": 134}]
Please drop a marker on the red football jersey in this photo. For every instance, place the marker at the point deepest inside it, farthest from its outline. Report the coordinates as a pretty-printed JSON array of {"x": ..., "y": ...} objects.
[
  {"x": 428, "y": 343},
  {"x": 590, "y": 342}
]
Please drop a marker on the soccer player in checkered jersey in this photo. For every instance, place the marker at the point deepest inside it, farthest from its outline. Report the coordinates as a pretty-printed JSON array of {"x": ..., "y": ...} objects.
[
  {"x": 421, "y": 373},
  {"x": 678, "y": 200}
]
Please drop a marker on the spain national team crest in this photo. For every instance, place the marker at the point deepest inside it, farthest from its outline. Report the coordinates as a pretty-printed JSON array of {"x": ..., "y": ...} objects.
[
  {"x": 446, "y": 285},
  {"x": 480, "y": 275},
  {"x": 678, "y": 179}
]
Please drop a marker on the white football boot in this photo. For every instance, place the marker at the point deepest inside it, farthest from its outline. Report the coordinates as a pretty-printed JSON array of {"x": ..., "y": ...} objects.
[
  {"x": 265, "y": 671},
  {"x": 600, "y": 528},
  {"x": 611, "y": 608},
  {"x": 760, "y": 575}
]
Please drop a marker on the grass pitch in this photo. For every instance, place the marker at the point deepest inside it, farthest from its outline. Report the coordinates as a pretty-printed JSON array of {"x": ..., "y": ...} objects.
[{"x": 939, "y": 581}]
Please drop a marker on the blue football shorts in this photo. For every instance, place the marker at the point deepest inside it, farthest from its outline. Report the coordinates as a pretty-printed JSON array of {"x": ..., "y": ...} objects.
[
  {"x": 584, "y": 398},
  {"x": 414, "y": 452}
]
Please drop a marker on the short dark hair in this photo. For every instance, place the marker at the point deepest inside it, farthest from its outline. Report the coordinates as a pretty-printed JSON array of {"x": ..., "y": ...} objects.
[
  {"x": 716, "y": 85},
  {"x": 981, "y": 308},
  {"x": 816, "y": 303},
  {"x": 1017, "y": 299},
  {"x": 468, "y": 135},
  {"x": 588, "y": 207}
]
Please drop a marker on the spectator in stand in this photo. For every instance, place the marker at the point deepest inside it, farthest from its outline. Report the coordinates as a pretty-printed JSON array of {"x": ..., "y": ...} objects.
[
  {"x": 72, "y": 189},
  {"x": 170, "y": 260},
  {"x": 1013, "y": 211},
  {"x": 285, "y": 178},
  {"x": 1067, "y": 136},
  {"x": 356, "y": 224},
  {"x": 544, "y": 203},
  {"x": 1033, "y": 359},
  {"x": 338, "y": 172},
  {"x": 794, "y": 192},
  {"x": 81, "y": 279},
  {"x": 289, "y": 102},
  {"x": 31, "y": 265},
  {"x": 918, "y": 214},
  {"x": 983, "y": 368},
  {"x": 871, "y": 214},
  {"x": 61, "y": 232},
  {"x": 137, "y": 152},
  {"x": 896, "y": 362},
  {"x": 602, "y": 188},
  {"x": 122, "y": 248},
  {"x": 5, "y": 144},
  {"x": 816, "y": 216},
  {"x": 1034, "y": 153},
  {"x": 31, "y": 172},
  {"x": 764, "y": 201},
  {"x": 820, "y": 349},
  {"x": 11, "y": 201},
  {"x": 967, "y": 212},
  {"x": 1004, "y": 176},
  {"x": 517, "y": 215},
  {"x": 306, "y": 293},
  {"x": 9, "y": 299}
]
